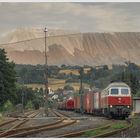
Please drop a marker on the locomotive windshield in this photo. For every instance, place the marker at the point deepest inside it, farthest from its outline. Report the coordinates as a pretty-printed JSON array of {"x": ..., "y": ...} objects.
[
  {"x": 114, "y": 91},
  {"x": 124, "y": 91}
]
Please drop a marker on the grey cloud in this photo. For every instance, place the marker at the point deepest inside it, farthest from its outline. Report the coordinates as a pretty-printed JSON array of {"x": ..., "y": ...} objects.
[{"x": 85, "y": 17}]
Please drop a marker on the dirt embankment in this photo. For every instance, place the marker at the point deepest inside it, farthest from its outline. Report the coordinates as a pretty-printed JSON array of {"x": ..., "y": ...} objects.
[{"x": 76, "y": 49}]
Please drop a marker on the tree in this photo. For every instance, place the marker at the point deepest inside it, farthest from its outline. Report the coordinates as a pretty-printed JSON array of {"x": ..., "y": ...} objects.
[
  {"x": 36, "y": 103},
  {"x": 63, "y": 66},
  {"x": 105, "y": 67},
  {"x": 91, "y": 77},
  {"x": 7, "y": 79},
  {"x": 131, "y": 79},
  {"x": 134, "y": 83},
  {"x": 8, "y": 106},
  {"x": 68, "y": 87}
]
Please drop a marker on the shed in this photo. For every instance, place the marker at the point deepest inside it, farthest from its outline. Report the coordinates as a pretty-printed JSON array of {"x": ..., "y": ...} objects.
[{"x": 136, "y": 104}]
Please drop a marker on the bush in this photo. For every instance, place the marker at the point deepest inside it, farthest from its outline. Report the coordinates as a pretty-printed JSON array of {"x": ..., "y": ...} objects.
[
  {"x": 138, "y": 94},
  {"x": 1, "y": 117},
  {"x": 29, "y": 105},
  {"x": 68, "y": 87},
  {"x": 8, "y": 106},
  {"x": 36, "y": 103}
]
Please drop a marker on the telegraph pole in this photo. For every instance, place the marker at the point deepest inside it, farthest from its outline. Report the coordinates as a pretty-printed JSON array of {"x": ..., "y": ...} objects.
[
  {"x": 46, "y": 75},
  {"x": 81, "y": 71},
  {"x": 22, "y": 99},
  {"x": 22, "y": 91}
]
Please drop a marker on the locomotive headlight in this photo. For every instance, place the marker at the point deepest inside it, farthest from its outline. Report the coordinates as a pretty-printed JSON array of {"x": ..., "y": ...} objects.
[
  {"x": 128, "y": 106},
  {"x": 110, "y": 106}
]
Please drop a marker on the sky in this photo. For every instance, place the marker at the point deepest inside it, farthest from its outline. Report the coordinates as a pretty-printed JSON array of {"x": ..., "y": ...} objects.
[{"x": 82, "y": 17}]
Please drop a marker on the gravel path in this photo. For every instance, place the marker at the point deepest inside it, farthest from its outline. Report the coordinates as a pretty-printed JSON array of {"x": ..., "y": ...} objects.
[{"x": 79, "y": 116}]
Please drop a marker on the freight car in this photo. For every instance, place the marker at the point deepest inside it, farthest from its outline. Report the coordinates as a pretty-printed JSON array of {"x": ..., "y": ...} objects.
[
  {"x": 67, "y": 104},
  {"x": 77, "y": 102},
  {"x": 89, "y": 102}
]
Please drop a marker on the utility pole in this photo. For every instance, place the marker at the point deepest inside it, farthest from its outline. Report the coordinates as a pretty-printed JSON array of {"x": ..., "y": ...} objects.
[
  {"x": 81, "y": 71},
  {"x": 91, "y": 77},
  {"x": 46, "y": 75},
  {"x": 21, "y": 80},
  {"x": 22, "y": 99}
]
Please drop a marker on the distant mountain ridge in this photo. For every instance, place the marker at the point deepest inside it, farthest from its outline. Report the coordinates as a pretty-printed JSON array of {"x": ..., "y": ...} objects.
[{"x": 73, "y": 48}]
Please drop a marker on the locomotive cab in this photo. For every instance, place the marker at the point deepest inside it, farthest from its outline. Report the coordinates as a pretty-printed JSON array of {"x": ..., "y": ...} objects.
[{"x": 118, "y": 100}]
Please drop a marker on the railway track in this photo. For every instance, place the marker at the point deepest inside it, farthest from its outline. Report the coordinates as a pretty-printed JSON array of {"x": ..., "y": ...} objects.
[
  {"x": 100, "y": 132},
  {"x": 112, "y": 132},
  {"x": 64, "y": 121},
  {"x": 24, "y": 132},
  {"x": 61, "y": 115},
  {"x": 19, "y": 114},
  {"x": 17, "y": 123},
  {"x": 27, "y": 114}
]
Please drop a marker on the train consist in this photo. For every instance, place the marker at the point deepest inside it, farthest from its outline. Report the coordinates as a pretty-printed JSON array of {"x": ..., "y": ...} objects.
[{"x": 114, "y": 101}]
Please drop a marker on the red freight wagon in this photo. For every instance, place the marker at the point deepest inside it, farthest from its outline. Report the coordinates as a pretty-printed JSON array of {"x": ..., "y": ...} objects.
[
  {"x": 70, "y": 104},
  {"x": 77, "y": 102},
  {"x": 88, "y": 102},
  {"x": 97, "y": 102}
]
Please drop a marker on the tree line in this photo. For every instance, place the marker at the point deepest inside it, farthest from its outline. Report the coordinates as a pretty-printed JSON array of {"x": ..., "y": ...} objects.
[
  {"x": 11, "y": 92},
  {"x": 99, "y": 76}
]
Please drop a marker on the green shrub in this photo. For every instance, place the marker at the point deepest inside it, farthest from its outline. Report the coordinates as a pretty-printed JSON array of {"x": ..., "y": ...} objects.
[
  {"x": 8, "y": 106},
  {"x": 29, "y": 105}
]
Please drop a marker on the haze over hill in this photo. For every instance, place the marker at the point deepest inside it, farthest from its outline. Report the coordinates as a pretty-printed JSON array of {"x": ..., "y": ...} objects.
[{"x": 73, "y": 48}]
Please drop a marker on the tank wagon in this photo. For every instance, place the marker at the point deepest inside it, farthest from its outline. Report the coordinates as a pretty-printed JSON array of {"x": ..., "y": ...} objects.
[{"x": 114, "y": 101}]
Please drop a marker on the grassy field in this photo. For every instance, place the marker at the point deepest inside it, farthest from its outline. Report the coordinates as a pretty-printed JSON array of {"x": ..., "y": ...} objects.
[
  {"x": 54, "y": 84},
  {"x": 75, "y": 72}
]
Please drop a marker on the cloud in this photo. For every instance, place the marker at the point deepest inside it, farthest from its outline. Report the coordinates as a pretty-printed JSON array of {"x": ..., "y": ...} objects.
[{"x": 85, "y": 17}]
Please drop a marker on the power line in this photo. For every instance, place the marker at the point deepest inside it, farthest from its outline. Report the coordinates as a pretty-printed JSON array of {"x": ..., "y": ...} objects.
[{"x": 22, "y": 41}]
